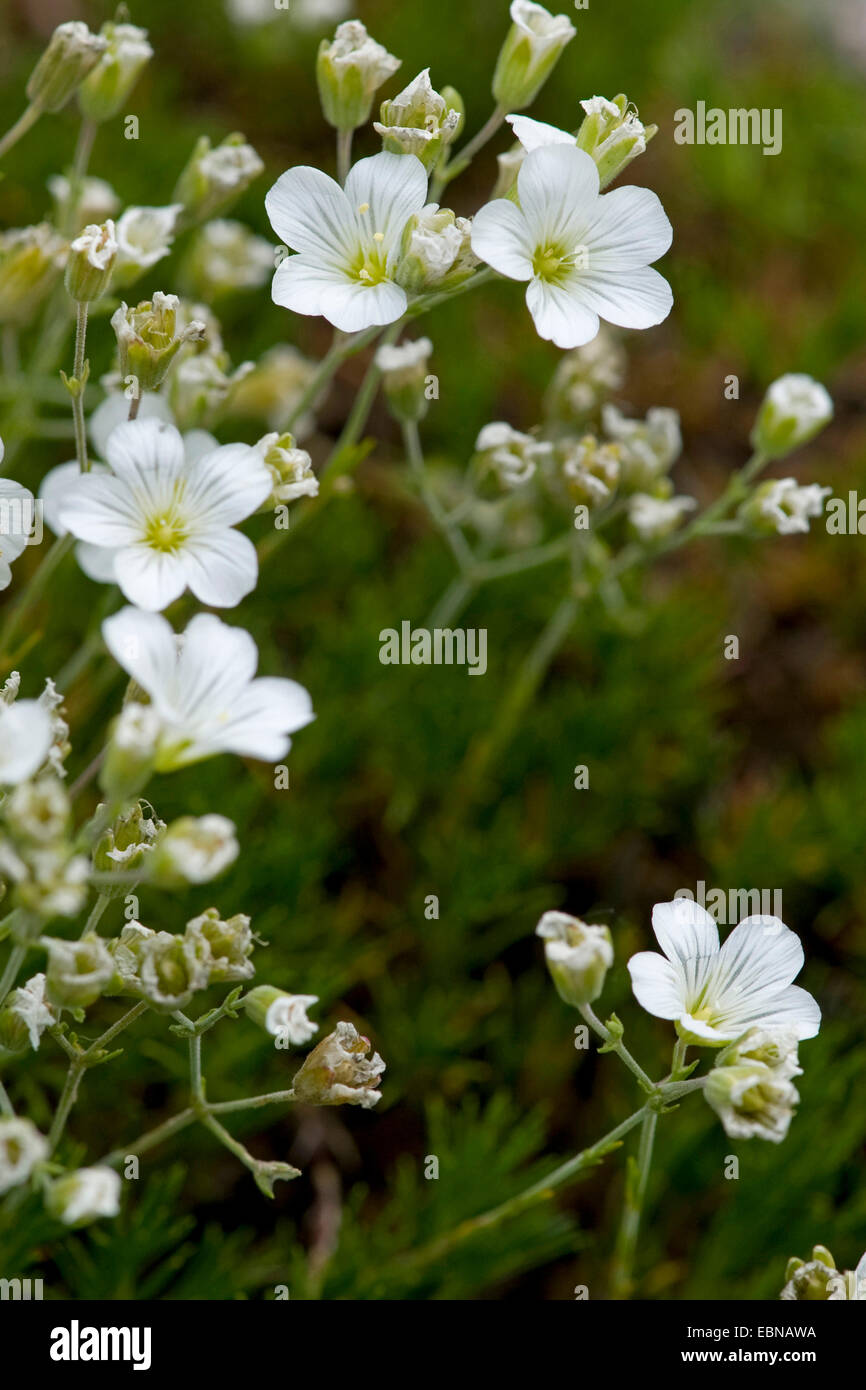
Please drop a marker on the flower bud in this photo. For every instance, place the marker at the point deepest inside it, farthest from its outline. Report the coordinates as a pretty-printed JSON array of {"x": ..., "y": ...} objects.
[
  {"x": 25, "y": 1017},
  {"x": 226, "y": 257},
  {"x": 31, "y": 259},
  {"x": 508, "y": 165},
  {"x": 105, "y": 89},
  {"x": 512, "y": 456},
  {"x": 776, "y": 1048},
  {"x": 584, "y": 378},
  {"x": 815, "y": 1280},
  {"x": 78, "y": 971},
  {"x": 404, "y": 373},
  {"x": 91, "y": 260},
  {"x": 653, "y": 518},
  {"x": 127, "y": 846},
  {"x": 338, "y": 1072},
  {"x": 194, "y": 849},
  {"x": 127, "y": 951},
  {"x": 171, "y": 968},
  {"x": 419, "y": 121},
  {"x": 752, "y": 1100},
  {"x": 782, "y": 507},
  {"x": 148, "y": 340},
  {"x": 71, "y": 54},
  {"x": 578, "y": 956},
  {"x": 96, "y": 201},
  {"x": 144, "y": 236},
  {"x": 132, "y": 751},
  {"x": 280, "y": 1014},
  {"x": 435, "y": 250},
  {"x": 290, "y": 468},
  {"x": 21, "y": 1148},
  {"x": 349, "y": 69},
  {"x": 213, "y": 179},
  {"x": 650, "y": 447},
  {"x": 588, "y": 470},
  {"x": 85, "y": 1195},
  {"x": 794, "y": 409},
  {"x": 227, "y": 945},
  {"x": 613, "y": 135},
  {"x": 53, "y": 882},
  {"x": 529, "y": 54},
  {"x": 38, "y": 811}
]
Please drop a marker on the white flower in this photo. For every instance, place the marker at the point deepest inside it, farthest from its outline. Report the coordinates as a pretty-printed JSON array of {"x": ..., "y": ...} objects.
[
  {"x": 16, "y": 516},
  {"x": 168, "y": 521},
  {"x": 280, "y": 1014},
  {"x": 226, "y": 256},
  {"x": 195, "y": 849},
  {"x": 655, "y": 517},
  {"x": 144, "y": 236},
  {"x": 715, "y": 994},
  {"x": 785, "y": 506},
  {"x": 348, "y": 240},
  {"x": 649, "y": 447},
  {"x": 794, "y": 409},
  {"x": 26, "y": 735},
  {"x": 586, "y": 255},
  {"x": 403, "y": 357},
  {"x": 21, "y": 1148},
  {"x": 291, "y": 469},
  {"x": 225, "y": 947},
  {"x": 97, "y": 245},
  {"x": 203, "y": 690},
  {"x": 512, "y": 456},
  {"x": 30, "y": 1005},
  {"x": 85, "y": 1195},
  {"x": 96, "y": 202},
  {"x": 752, "y": 1101},
  {"x": 578, "y": 956}
]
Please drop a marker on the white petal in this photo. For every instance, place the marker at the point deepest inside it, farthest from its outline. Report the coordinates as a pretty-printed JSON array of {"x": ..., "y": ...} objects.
[
  {"x": 265, "y": 714},
  {"x": 196, "y": 443},
  {"x": 628, "y": 298},
  {"x": 96, "y": 561},
  {"x": 141, "y": 451},
  {"x": 685, "y": 931},
  {"x": 533, "y": 134},
  {"x": 393, "y": 186},
  {"x": 759, "y": 959},
  {"x": 500, "y": 236},
  {"x": 226, "y": 485},
  {"x": 216, "y": 664},
  {"x": 151, "y": 579},
  {"x": 310, "y": 212},
  {"x": 144, "y": 645},
  {"x": 221, "y": 567},
  {"x": 16, "y": 515},
  {"x": 629, "y": 229},
  {"x": 100, "y": 509},
  {"x": 656, "y": 984},
  {"x": 114, "y": 411},
  {"x": 353, "y": 306},
  {"x": 301, "y": 282},
  {"x": 559, "y": 313},
  {"x": 558, "y": 190},
  {"x": 793, "y": 1008},
  {"x": 25, "y": 738}
]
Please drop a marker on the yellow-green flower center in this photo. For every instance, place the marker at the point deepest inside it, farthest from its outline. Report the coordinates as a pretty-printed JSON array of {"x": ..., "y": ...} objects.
[{"x": 166, "y": 532}]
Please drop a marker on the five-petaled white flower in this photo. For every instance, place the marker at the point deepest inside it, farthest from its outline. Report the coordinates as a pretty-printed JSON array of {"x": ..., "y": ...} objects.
[
  {"x": 203, "y": 690},
  {"x": 168, "y": 519},
  {"x": 586, "y": 255},
  {"x": 348, "y": 240},
  {"x": 714, "y": 994}
]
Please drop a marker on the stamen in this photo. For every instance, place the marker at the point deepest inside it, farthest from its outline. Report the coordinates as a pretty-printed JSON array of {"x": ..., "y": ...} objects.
[{"x": 363, "y": 207}]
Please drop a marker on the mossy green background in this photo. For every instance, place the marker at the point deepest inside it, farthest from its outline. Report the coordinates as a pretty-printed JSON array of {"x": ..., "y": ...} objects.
[{"x": 744, "y": 774}]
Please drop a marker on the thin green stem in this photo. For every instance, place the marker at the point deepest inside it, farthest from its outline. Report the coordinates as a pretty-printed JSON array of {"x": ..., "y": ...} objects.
[
  {"x": 96, "y": 912},
  {"x": 616, "y": 1045},
  {"x": 464, "y": 157},
  {"x": 152, "y": 1137},
  {"x": 6, "y": 1107},
  {"x": 77, "y": 396},
  {"x": 79, "y": 1065},
  {"x": 229, "y": 1107},
  {"x": 80, "y": 163},
  {"x": 344, "y": 154},
  {"x": 24, "y": 123},
  {"x": 453, "y": 534},
  {"x": 622, "y": 1280},
  {"x": 28, "y": 596},
  {"x": 13, "y": 965}
]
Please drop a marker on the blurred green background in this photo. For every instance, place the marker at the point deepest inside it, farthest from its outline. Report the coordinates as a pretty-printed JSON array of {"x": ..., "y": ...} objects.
[{"x": 744, "y": 774}]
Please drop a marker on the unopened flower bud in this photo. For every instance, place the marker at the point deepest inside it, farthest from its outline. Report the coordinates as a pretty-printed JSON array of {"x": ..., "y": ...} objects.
[
  {"x": 132, "y": 751},
  {"x": 653, "y": 518},
  {"x": 85, "y": 1195},
  {"x": 21, "y": 1148},
  {"x": 613, "y": 134},
  {"x": 338, "y": 1072},
  {"x": 226, "y": 257},
  {"x": 404, "y": 375},
  {"x": 71, "y": 54},
  {"x": 794, "y": 409},
  {"x": 752, "y": 1100},
  {"x": 105, "y": 89},
  {"x": 194, "y": 849},
  {"x": 227, "y": 946},
  {"x": 435, "y": 250},
  {"x": 776, "y": 1048},
  {"x": 349, "y": 69},
  {"x": 783, "y": 507},
  {"x": 578, "y": 956},
  {"x": 419, "y": 121},
  {"x": 31, "y": 259},
  {"x": 91, "y": 260},
  {"x": 215, "y": 178},
  {"x": 148, "y": 339},
  {"x": 815, "y": 1280},
  {"x": 126, "y": 952},
  {"x": 78, "y": 971},
  {"x": 127, "y": 846},
  {"x": 291, "y": 469},
  {"x": 281, "y": 1014},
  {"x": 512, "y": 456},
  {"x": 529, "y": 54}
]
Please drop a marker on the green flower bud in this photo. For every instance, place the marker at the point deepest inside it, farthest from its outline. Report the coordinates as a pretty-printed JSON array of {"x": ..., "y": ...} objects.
[
  {"x": 71, "y": 54},
  {"x": 419, "y": 121},
  {"x": 148, "y": 340},
  {"x": 84, "y": 1196},
  {"x": 194, "y": 849},
  {"x": 171, "y": 969},
  {"x": 793, "y": 411},
  {"x": 106, "y": 87},
  {"x": 752, "y": 1100},
  {"x": 31, "y": 259},
  {"x": 132, "y": 751},
  {"x": 349, "y": 69},
  {"x": 781, "y": 506},
  {"x": 578, "y": 956},
  {"x": 282, "y": 1015},
  {"x": 815, "y": 1280},
  {"x": 613, "y": 134},
  {"x": 227, "y": 946},
  {"x": 529, "y": 54},
  {"x": 291, "y": 469},
  {"x": 338, "y": 1072},
  {"x": 127, "y": 951},
  {"x": 78, "y": 972},
  {"x": 404, "y": 373},
  {"x": 22, "y": 1147},
  {"x": 91, "y": 260},
  {"x": 213, "y": 179},
  {"x": 435, "y": 250},
  {"x": 127, "y": 847}
]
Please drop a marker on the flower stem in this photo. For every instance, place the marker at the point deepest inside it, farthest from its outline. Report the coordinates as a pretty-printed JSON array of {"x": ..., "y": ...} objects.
[
  {"x": 24, "y": 123},
  {"x": 464, "y": 157},
  {"x": 152, "y": 1137},
  {"x": 617, "y": 1046},
  {"x": 453, "y": 534},
  {"x": 80, "y": 163},
  {"x": 344, "y": 154},
  {"x": 637, "y": 1179},
  {"x": 13, "y": 965},
  {"x": 18, "y": 610},
  {"x": 78, "y": 394}
]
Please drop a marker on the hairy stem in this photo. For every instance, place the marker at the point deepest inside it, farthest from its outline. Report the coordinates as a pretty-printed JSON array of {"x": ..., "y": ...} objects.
[
  {"x": 622, "y": 1280},
  {"x": 616, "y": 1045},
  {"x": 24, "y": 123}
]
